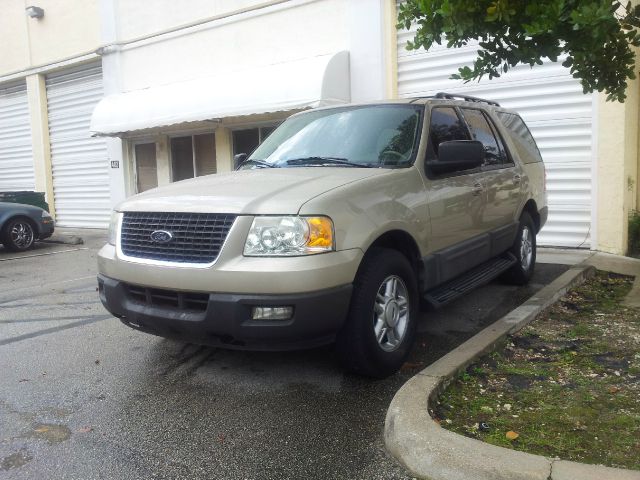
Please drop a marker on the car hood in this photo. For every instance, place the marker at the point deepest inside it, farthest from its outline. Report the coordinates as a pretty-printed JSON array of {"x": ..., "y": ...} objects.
[{"x": 260, "y": 191}]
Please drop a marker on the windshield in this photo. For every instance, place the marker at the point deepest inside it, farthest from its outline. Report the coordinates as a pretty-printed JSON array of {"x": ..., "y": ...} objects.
[{"x": 369, "y": 136}]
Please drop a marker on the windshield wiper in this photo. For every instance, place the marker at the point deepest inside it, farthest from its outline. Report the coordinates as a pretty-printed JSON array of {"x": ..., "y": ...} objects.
[
  {"x": 326, "y": 161},
  {"x": 261, "y": 163}
]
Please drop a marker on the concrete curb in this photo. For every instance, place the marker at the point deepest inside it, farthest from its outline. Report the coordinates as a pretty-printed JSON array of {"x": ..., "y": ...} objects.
[
  {"x": 64, "y": 239},
  {"x": 429, "y": 451}
]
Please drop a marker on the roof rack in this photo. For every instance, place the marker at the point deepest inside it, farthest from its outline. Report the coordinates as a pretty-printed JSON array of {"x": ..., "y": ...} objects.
[{"x": 466, "y": 98}]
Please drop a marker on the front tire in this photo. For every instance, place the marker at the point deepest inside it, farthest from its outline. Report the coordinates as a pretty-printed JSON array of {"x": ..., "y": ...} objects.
[
  {"x": 524, "y": 249},
  {"x": 379, "y": 332},
  {"x": 18, "y": 235}
]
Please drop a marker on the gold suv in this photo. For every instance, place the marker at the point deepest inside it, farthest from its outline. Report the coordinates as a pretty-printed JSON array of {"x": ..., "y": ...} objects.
[{"x": 333, "y": 230}]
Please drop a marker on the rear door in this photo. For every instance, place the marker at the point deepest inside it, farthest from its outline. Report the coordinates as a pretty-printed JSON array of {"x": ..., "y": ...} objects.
[{"x": 502, "y": 180}]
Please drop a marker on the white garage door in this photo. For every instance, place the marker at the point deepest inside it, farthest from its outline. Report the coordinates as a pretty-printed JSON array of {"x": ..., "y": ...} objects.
[
  {"x": 551, "y": 102},
  {"x": 16, "y": 156},
  {"x": 79, "y": 162}
]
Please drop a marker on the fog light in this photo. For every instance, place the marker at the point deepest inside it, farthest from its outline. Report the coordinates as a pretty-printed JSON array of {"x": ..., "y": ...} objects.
[{"x": 272, "y": 313}]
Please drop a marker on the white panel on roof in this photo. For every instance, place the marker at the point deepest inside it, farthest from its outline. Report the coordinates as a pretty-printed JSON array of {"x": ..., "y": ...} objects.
[
  {"x": 79, "y": 162},
  {"x": 550, "y": 100},
  {"x": 16, "y": 155}
]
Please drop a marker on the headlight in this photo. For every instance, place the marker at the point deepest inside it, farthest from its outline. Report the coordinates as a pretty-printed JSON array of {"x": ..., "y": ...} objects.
[
  {"x": 282, "y": 236},
  {"x": 113, "y": 227}
]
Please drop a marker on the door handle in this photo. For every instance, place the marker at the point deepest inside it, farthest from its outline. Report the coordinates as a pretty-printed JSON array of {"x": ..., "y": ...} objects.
[
  {"x": 516, "y": 179},
  {"x": 477, "y": 189}
]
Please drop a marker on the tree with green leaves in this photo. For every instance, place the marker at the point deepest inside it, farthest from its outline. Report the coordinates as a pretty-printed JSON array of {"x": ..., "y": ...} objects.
[{"x": 594, "y": 38}]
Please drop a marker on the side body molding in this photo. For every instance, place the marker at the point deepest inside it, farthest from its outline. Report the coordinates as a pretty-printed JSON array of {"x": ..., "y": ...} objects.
[{"x": 450, "y": 262}]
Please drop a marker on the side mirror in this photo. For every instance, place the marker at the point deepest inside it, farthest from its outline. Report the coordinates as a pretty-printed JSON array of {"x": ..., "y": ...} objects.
[
  {"x": 457, "y": 155},
  {"x": 238, "y": 159}
]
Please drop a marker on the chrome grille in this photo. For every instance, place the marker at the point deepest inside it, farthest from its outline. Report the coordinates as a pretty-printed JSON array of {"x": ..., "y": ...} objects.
[{"x": 196, "y": 237}]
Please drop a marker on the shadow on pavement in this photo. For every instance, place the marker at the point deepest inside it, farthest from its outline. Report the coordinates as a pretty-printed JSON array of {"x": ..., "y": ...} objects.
[{"x": 287, "y": 415}]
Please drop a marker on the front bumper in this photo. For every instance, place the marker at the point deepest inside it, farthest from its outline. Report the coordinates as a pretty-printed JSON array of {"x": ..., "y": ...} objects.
[
  {"x": 225, "y": 320},
  {"x": 46, "y": 230}
]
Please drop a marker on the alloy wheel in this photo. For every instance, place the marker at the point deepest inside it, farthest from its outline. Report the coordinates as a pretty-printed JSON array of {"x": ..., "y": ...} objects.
[
  {"x": 22, "y": 235},
  {"x": 526, "y": 248},
  {"x": 391, "y": 313}
]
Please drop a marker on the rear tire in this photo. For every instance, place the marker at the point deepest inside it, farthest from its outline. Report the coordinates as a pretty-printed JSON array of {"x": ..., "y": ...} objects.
[
  {"x": 380, "y": 330},
  {"x": 524, "y": 249},
  {"x": 18, "y": 235}
]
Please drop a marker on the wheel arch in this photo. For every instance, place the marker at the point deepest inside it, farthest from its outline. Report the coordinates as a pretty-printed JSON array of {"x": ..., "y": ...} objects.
[
  {"x": 403, "y": 242},
  {"x": 532, "y": 209},
  {"x": 5, "y": 221}
]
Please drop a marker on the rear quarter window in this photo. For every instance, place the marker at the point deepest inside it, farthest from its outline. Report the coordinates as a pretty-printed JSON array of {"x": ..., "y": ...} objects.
[{"x": 521, "y": 136}]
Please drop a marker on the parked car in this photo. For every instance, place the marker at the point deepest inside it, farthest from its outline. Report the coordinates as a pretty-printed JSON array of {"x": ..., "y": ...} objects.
[
  {"x": 21, "y": 225},
  {"x": 334, "y": 230}
]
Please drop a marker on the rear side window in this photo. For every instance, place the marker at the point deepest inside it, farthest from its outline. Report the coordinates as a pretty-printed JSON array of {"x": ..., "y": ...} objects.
[
  {"x": 445, "y": 126},
  {"x": 482, "y": 131},
  {"x": 521, "y": 136}
]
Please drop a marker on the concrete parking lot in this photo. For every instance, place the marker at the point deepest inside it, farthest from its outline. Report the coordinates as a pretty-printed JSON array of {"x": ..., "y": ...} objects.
[{"x": 82, "y": 396}]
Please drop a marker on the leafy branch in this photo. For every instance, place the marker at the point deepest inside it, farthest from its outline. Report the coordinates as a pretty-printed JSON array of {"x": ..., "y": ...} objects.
[{"x": 593, "y": 38}]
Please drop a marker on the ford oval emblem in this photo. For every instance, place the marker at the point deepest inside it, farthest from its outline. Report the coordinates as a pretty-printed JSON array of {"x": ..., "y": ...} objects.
[{"x": 161, "y": 236}]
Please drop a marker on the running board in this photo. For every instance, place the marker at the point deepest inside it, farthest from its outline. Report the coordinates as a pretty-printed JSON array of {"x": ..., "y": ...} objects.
[{"x": 466, "y": 282}]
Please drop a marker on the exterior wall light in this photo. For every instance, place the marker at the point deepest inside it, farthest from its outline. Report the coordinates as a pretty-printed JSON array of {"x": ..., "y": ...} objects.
[{"x": 34, "y": 12}]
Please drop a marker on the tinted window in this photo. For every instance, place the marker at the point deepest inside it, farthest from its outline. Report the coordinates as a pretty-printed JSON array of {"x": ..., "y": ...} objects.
[
  {"x": 521, "y": 136},
  {"x": 483, "y": 132},
  {"x": 445, "y": 126}
]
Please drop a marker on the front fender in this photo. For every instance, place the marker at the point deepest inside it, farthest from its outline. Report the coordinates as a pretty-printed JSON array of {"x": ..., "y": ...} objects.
[
  {"x": 19, "y": 212},
  {"x": 363, "y": 211}
]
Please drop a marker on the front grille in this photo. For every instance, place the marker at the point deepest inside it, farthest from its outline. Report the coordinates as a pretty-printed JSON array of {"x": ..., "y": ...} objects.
[
  {"x": 168, "y": 298},
  {"x": 197, "y": 237}
]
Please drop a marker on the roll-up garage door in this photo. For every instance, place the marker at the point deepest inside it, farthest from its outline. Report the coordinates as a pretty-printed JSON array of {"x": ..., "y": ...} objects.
[
  {"x": 551, "y": 102},
  {"x": 79, "y": 162},
  {"x": 16, "y": 156}
]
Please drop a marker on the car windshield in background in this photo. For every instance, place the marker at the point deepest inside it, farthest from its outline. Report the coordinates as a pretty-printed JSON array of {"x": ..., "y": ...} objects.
[{"x": 370, "y": 136}]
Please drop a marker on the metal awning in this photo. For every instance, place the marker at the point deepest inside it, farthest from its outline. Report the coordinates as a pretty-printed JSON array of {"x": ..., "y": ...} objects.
[{"x": 307, "y": 83}]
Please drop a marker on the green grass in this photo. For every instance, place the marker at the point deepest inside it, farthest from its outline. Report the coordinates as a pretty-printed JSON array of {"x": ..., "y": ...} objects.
[{"x": 568, "y": 384}]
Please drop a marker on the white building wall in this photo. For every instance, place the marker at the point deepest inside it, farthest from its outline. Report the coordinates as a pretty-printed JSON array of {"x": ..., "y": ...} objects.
[
  {"x": 284, "y": 32},
  {"x": 137, "y": 19},
  {"x": 175, "y": 42},
  {"x": 365, "y": 24}
]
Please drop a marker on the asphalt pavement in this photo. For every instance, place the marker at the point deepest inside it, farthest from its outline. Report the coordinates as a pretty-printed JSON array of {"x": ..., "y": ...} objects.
[{"x": 82, "y": 396}]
